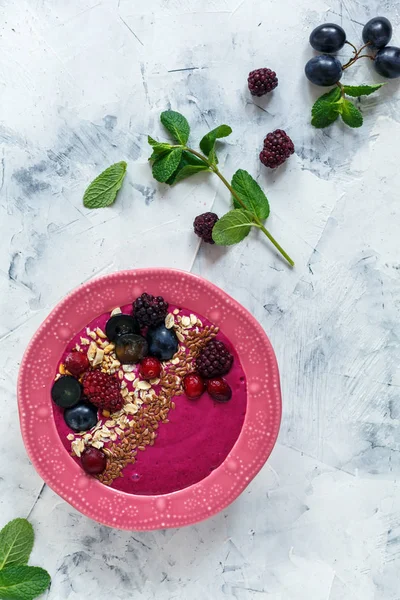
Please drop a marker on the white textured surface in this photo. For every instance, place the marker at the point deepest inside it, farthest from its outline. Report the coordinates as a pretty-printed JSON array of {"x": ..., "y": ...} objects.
[{"x": 82, "y": 82}]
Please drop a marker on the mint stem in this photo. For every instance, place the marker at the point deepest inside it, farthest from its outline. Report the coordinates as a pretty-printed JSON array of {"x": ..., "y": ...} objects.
[{"x": 257, "y": 221}]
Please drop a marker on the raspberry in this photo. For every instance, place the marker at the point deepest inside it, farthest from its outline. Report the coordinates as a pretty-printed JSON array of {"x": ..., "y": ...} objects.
[
  {"x": 203, "y": 226},
  {"x": 76, "y": 363},
  {"x": 150, "y": 311},
  {"x": 277, "y": 148},
  {"x": 193, "y": 386},
  {"x": 262, "y": 81},
  {"x": 150, "y": 368},
  {"x": 214, "y": 360},
  {"x": 219, "y": 389},
  {"x": 102, "y": 390}
]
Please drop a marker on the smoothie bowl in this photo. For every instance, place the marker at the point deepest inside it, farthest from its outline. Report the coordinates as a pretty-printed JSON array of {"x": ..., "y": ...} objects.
[{"x": 149, "y": 399}]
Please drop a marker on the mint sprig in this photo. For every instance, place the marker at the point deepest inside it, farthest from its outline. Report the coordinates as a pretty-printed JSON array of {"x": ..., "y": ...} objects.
[
  {"x": 329, "y": 106},
  {"x": 18, "y": 581},
  {"x": 174, "y": 162}
]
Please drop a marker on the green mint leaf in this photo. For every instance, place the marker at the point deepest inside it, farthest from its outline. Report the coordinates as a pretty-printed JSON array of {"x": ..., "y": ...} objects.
[
  {"x": 250, "y": 194},
  {"x": 208, "y": 142},
  {"x": 159, "y": 148},
  {"x": 23, "y": 583},
  {"x": 103, "y": 190},
  {"x": 16, "y": 542},
  {"x": 166, "y": 165},
  {"x": 350, "y": 114},
  {"x": 232, "y": 227},
  {"x": 361, "y": 90},
  {"x": 176, "y": 124},
  {"x": 189, "y": 165},
  {"x": 326, "y": 109},
  {"x": 212, "y": 157}
]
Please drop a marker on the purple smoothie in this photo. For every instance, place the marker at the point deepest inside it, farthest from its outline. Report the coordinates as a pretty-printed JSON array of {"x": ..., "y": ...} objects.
[{"x": 197, "y": 439}]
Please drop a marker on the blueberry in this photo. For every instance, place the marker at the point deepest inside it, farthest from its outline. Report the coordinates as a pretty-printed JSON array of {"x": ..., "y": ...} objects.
[
  {"x": 387, "y": 62},
  {"x": 66, "y": 391},
  {"x": 81, "y": 417},
  {"x": 163, "y": 342},
  {"x": 377, "y": 32},
  {"x": 120, "y": 325},
  {"x": 130, "y": 348},
  {"x": 328, "y": 37},
  {"x": 323, "y": 70}
]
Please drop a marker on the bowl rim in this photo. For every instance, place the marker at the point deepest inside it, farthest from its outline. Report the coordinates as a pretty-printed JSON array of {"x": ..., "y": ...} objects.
[{"x": 187, "y": 506}]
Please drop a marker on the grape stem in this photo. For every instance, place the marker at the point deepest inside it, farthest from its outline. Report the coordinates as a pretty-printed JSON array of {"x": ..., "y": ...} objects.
[
  {"x": 352, "y": 45},
  {"x": 257, "y": 222},
  {"x": 357, "y": 55}
]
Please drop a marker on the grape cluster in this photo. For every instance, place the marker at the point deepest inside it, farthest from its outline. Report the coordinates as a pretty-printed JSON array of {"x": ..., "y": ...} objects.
[{"x": 328, "y": 38}]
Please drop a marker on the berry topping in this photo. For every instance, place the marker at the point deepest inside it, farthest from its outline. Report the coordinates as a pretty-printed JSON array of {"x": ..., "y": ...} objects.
[
  {"x": 328, "y": 37},
  {"x": 324, "y": 70},
  {"x": 203, "y": 226},
  {"x": 102, "y": 390},
  {"x": 377, "y": 32},
  {"x": 150, "y": 310},
  {"x": 66, "y": 391},
  {"x": 93, "y": 461},
  {"x": 81, "y": 417},
  {"x": 76, "y": 363},
  {"x": 262, "y": 81},
  {"x": 163, "y": 343},
  {"x": 219, "y": 389},
  {"x": 214, "y": 360},
  {"x": 130, "y": 348},
  {"x": 277, "y": 148},
  {"x": 193, "y": 385},
  {"x": 150, "y": 368},
  {"x": 120, "y": 325}
]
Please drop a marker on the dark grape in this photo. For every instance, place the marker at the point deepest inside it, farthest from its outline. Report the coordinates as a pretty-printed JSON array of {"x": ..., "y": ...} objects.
[
  {"x": 328, "y": 37},
  {"x": 378, "y": 32},
  {"x": 323, "y": 70},
  {"x": 387, "y": 62}
]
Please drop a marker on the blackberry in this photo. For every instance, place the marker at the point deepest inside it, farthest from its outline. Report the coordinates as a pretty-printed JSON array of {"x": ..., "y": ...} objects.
[
  {"x": 149, "y": 310},
  {"x": 102, "y": 390},
  {"x": 262, "y": 81},
  {"x": 203, "y": 226},
  {"x": 214, "y": 360},
  {"x": 277, "y": 148}
]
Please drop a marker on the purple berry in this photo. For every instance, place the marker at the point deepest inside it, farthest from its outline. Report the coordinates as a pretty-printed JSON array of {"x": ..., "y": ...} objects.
[
  {"x": 262, "y": 81},
  {"x": 214, "y": 360},
  {"x": 150, "y": 311},
  {"x": 203, "y": 226},
  {"x": 277, "y": 148}
]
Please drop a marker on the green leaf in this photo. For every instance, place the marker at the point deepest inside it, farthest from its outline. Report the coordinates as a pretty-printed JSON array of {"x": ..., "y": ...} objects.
[
  {"x": 16, "y": 542},
  {"x": 23, "y": 583},
  {"x": 176, "y": 124},
  {"x": 362, "y": 90},
  {"x": 232, "y": 227},
  {"x": 326, "y": 109},
  {"x": 159, "y": 148},
  {"x": 188, "y": 165},
  {"x": 166, "y": 165},
  {"x": 103, "y": 190},
  {"x": 250, "y": 193},
  {"x": 208, "y": 142},
  {"x": 350, "y": 114}
]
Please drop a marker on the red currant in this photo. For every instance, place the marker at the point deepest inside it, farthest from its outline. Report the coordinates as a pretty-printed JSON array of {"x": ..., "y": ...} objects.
[
  {"x": 150, "y": 368},
  {"x": 219, "y": 389},
  {"x": 193, "y": 386},
  {"x": 76, "y": 363},
  {"x": 93, "y": 461}
]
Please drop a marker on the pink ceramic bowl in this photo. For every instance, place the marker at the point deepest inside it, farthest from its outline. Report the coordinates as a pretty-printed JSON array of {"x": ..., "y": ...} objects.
[{"x": 194, "y": 503}]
